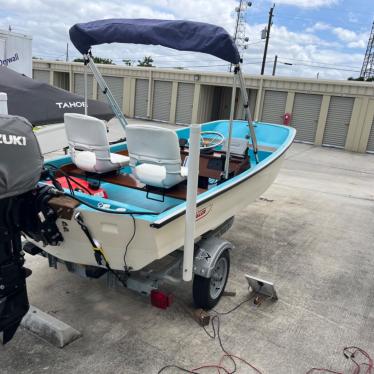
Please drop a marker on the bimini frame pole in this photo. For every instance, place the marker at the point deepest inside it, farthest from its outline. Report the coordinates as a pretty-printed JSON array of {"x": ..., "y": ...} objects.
[
  {"x": 85, "y": 90},
  {"x": 192, "y": 182},
  {"x": 105, "y": 89},
  {"x": 232, "y": 111},
  {"x": 249, "y": 115}
]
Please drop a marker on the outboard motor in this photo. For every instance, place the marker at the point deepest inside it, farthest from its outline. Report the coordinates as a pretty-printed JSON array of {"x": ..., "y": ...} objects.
[{"x": 23, "y": 209}]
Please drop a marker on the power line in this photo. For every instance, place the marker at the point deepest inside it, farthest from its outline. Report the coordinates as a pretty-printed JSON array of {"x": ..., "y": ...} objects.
[{"x": 323, "y": 67}]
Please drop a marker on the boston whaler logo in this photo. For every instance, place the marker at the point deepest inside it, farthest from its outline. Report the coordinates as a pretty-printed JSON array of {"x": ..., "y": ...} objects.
[
  {"x": 9, "y": 60},
  {"x": 71, "y": 104},
  {"x": 203, "y": 212},
  {"x": 12, "y": 140}
]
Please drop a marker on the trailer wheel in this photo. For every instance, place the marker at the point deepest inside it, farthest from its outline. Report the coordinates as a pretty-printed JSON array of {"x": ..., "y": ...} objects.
[{"x": 207, "y": 291}]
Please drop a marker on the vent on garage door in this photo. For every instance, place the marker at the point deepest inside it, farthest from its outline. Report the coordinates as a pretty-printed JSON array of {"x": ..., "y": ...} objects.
[
  {"x": 141, "y": 98},
  {"x": 370, "y": 147},
  {"x": 162, "y": 101},
  {"x": 115, "y": 85},
  {"x": 305, "y": 116},
  {"x": 41, "y": 75},
  {"x": 274, "y": 106},
  {"x": 79, "y": 85},
  {"x": 183, "y": 113},
  {"x": 337, "y": 122}
]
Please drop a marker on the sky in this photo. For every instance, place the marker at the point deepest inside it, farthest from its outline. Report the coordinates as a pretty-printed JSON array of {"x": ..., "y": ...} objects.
[{"x": 327, "y": 38}]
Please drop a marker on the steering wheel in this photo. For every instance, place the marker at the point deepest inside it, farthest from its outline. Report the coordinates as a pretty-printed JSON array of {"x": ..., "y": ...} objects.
[{"x": 210, "y": 139}]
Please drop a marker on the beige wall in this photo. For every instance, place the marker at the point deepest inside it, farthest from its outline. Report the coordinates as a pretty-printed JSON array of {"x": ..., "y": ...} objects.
[{"x": 363, "y": 93}]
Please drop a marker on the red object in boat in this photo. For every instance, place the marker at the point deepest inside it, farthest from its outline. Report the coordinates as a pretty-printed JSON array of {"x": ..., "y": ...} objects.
[
  {"x": 160, "y": 299},
  {"x": 88, "y": 189}
]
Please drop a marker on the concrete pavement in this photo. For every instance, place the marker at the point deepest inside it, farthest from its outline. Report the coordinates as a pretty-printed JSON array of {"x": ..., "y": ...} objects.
[{"x": 312, "y": 234}]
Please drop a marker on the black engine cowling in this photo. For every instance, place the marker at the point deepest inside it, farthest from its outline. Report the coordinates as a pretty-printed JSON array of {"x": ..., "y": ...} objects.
[{"x": 23, "y": 209}]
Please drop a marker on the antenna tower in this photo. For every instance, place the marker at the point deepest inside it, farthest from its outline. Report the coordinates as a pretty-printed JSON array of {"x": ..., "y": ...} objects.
[
  {"x": 367, "y": 70},
  {"x": 240, "y": 37}
]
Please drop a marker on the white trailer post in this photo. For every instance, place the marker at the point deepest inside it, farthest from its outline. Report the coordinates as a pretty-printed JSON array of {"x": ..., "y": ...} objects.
[
  {"x": 192, "y": 182},
  {"x": 3, "y": 103}
]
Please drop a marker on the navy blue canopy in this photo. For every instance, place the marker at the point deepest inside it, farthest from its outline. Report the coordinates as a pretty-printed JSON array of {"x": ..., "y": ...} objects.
[{"x": 180, "y": 35}]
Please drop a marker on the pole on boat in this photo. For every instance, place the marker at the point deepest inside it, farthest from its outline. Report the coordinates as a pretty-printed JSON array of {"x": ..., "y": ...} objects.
[
  {"x": 85, "y": 88},
  {"x": 192, "y": 183},
  {"x": 249, "y": 115},
  {"x": 106, "y": 91},
  {"x": 232, "y": 111}
]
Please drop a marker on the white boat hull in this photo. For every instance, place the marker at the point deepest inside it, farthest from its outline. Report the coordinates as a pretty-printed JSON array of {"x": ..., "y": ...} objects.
[{"x": 114, "y": 232}]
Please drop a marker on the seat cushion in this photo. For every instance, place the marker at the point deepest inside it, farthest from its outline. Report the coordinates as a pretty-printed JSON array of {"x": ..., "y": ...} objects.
[
  {"x": 157, "y": 176},
  {"x": 86, "y": 161},
  {"x": 150, "y": 174},
  {"x": 121, "y": 160}
]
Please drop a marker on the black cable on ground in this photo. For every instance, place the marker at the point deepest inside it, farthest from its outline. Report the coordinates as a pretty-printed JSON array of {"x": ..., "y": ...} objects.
[{"x": 216, "y": 333}]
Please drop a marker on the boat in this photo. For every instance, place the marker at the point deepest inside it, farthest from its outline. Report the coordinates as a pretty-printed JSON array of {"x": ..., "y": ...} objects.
[{"x": 161, "y": 196}]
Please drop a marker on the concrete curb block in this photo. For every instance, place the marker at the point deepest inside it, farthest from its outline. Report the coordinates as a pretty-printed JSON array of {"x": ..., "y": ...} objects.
[{"x": 49, "y": 328}]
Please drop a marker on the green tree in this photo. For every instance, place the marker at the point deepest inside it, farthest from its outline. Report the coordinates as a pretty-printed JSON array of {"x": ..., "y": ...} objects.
[
  {"x": 128, "y": 62},
  {"x": 97, "y": 60},
  {"x": 361, "y": 79},
  {"x": 146, "y": 62}
]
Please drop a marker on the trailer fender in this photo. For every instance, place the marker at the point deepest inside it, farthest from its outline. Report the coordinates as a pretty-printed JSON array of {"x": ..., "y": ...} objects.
[{"x": 207, "y": 253}]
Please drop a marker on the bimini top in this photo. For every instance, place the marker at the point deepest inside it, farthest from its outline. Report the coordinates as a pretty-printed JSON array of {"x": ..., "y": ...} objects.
[{"x": 180, "y": 35}]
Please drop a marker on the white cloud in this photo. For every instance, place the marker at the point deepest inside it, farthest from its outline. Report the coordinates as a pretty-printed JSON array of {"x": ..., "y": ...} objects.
[
  {"x": 49, "y": 21},
  {"x": 350, "y": 38}
]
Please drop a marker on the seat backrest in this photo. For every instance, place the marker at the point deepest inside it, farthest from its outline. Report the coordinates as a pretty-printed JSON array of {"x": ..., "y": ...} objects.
[
  {"x": 87, "y": 133},
  {"x": 153, "y": 145}
]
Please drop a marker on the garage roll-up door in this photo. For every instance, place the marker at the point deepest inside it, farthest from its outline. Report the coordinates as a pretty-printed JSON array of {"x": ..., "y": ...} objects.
[
  {"x": 41, "y": 75},
  {"x": 115, "y": 85},
  {"x": 79, "y": 85},
  {"x": 305, "y": 116},
  {"x": 141, "y": 98},
  {"x": 370, "y": 147},
  {"x": 162, "y": 101},
  {"x": 274, "y": 106},
  {"x": 337, "y": 122},
  {"x": 183, "y": 113}
]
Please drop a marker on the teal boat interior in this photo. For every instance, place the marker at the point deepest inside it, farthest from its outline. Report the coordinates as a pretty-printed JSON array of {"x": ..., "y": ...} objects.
[{"x": 124, "y": 192}]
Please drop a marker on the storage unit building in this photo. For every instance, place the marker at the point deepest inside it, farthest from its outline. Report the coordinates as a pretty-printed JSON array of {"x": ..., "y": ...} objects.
[
  {"x": 79, "y": 85},
  {"x": 370, "y": 146},
  {"x": 274, "y": 106},
  {"x": 305, "y": 115},
  {"x": 141, "y": 98},
  {"x": 337, "y": 122},
  {"x": 41, "y": 76},
  {"x": 115, "y": 85},
  {"x": 162, "y": 101},
  {"x": 185, "y": 94}
]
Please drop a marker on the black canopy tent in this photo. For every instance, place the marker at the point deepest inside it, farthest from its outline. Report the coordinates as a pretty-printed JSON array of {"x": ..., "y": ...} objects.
[{"x": 42, "y": 103}]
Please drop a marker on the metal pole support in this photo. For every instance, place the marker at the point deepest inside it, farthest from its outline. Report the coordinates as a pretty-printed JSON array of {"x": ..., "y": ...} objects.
[
  {"x": 192, "y": 182},
  {"x": 106, "y": 91}
]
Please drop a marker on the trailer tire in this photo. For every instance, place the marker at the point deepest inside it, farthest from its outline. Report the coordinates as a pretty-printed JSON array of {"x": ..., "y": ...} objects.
[{"x": 208, "y": 291}]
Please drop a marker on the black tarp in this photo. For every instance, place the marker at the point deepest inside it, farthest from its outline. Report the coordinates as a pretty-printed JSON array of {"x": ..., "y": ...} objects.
[
  {"x": 42, "y": 103},
  {"x": 177, "y": 34}
]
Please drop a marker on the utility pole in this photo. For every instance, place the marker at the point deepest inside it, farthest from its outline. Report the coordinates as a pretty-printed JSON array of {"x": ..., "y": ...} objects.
[
  {"x": 267, "y": 38},
  {"x": 67, "y": 52},
  {"x": 275, "y": 64}
]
